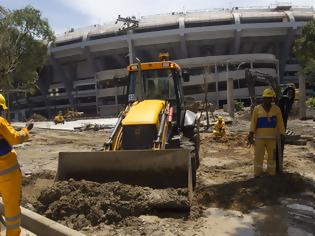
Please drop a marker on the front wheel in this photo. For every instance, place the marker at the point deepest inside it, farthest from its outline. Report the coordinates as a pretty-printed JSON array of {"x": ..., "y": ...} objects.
[{"x": 188, "y": 144}]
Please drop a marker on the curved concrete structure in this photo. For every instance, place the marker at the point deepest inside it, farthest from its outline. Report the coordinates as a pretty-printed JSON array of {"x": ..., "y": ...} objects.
[
  {"x": 79, "y": 57},
  {"x": 40, "y": 225}
]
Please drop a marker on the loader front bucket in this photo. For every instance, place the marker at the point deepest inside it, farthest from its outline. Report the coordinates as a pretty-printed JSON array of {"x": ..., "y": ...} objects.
[{"x": 152, "y": 168}]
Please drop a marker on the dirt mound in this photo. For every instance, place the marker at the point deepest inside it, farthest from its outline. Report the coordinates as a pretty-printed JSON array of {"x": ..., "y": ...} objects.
[
  {"x": 31, "y": 178},
  {"x": 80, "y": 204},
  {"x": 245, "y": 195},
  {"x": 73, "y": 115},
  {"x": 37, "y": 117},
  {"x": 230, "y": 139},
  {"x": 33, "y": 184}
]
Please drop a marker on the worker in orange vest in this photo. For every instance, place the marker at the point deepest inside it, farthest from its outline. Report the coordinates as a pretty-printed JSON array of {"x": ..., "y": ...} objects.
[
  {"x": 265, "y": 129},
  {"x": 10, "y": 173}
]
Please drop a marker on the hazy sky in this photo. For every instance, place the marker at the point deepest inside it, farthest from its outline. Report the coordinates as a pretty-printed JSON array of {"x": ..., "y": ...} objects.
[{"x": 66, "y": 14}]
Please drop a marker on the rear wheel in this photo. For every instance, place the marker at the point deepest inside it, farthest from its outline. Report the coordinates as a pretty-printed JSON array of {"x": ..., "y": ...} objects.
[
  {"x": 190, "y": 145},
  {"x": 196, "y": 140}
]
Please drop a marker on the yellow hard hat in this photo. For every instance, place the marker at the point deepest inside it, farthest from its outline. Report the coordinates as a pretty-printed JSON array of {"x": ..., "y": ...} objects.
[
  {"x": 3, "y": 102},
  {"x": 269, "y": 93},
  {"x": 220, "y": 118}
]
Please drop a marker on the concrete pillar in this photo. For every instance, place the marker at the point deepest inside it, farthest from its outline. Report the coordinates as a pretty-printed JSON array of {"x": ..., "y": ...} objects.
[
  {"x": 67, "y": 80},
  {"x": 90, "y": 59},
  {"x": 251, "y": 64},
  {"x": 183, "y": 47},
  {"x": 116, "y": 98},
  {"x": 285, "y": 51},
  {"x": 287, "y": 46},
  {"x": 229, "y": 92},
  {"x": 182, "y": 39},
  {"x": 278, "y": 71},
  {"x": 302, "y": 97},
  {"x": 237, "y": 34},
  {"x": 131, "y": 49},
  {"x": 216, "y": 77},
  {"x": 45, "y": 79}
]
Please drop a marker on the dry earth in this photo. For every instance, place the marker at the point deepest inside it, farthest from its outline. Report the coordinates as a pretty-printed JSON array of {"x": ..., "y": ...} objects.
[{"x": 227, "y": 199}]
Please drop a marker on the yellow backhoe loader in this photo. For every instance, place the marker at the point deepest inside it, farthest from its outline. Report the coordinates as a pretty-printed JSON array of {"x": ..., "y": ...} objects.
[{"x": 155, "y": 141}]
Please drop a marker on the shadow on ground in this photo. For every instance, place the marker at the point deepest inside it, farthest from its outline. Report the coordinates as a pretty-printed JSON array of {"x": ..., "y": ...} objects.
[{"x": 249, "y": 194}]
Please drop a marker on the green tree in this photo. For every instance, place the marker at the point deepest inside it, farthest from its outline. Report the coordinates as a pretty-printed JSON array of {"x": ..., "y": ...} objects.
[
  {"x": 24, "y": 38},
  {"x": 304, "y": 49}
]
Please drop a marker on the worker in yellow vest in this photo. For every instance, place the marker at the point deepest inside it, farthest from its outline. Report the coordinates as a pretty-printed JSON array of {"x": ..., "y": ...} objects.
[
  {"x": 10, "y": 173},
  {"x": 266, "y": 127},
  {"x": 219, "y": 127}
]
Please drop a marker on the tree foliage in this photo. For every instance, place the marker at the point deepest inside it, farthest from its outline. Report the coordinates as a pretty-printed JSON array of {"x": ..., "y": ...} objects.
[
  {"x": 304, "y": 49},
  {"x": 24, "y": 38}
]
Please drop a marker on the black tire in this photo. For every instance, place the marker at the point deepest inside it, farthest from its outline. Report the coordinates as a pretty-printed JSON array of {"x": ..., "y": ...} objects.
[
  {"x": 190, "y": 145},
  {"x": 196, "y": 140}
]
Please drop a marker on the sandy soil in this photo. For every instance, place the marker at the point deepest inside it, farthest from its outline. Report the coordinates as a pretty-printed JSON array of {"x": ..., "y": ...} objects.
[{"x": 227, "y": 199}]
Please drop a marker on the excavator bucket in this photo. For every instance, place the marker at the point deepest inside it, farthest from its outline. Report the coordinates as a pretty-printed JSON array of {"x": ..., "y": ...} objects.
[{"x": 152, "y": 168}]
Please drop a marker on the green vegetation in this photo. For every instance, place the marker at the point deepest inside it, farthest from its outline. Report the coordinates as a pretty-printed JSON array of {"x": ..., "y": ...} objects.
[
  {"x": 304, "y": 49},
  {"x": 239, "y": 106},
  {"x": 24, "y": 38},
  {"x": 311, "y": 102}
]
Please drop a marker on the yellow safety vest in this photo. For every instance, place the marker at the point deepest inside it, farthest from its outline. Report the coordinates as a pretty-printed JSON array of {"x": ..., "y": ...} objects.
[
  {"x": 267, "y": 124},
  {"x": 8, "y": 137}
]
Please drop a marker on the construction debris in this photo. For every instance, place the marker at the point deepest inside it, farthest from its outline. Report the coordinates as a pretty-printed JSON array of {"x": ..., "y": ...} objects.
[
  {"x": 73, "y": 115},
  {"x": 37, "y": 117},
  {"x": 95, "y": 127},
  {"x": 295, "y": 139},
  {"x": 197, "y": 106}
]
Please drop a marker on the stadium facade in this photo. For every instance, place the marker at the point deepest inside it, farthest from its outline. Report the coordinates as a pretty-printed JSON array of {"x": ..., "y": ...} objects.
[{"x": 87, "y": 67}]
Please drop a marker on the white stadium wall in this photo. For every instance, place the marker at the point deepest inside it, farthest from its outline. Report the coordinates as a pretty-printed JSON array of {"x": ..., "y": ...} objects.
[{"x": 84, "y": 62}]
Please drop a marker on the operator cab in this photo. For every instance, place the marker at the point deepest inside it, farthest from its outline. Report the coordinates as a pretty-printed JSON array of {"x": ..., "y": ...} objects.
[
  {"x": 158, "y": 80},
  {"x": 157, "y": 84}
]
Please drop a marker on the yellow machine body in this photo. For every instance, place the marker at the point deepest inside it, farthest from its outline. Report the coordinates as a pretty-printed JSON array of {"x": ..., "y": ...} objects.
[
  {"x": 153, "y": 166},
  {"x": 154, "y": 66},
  {"x": 144, "y": 113}
]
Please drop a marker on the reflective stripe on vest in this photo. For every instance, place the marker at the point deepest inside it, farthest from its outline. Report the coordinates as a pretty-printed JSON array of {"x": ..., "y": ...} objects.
[
  {"x": 11, "y": 227},
  {"x": 266, "y": 122},
  {"x": 9, "y": 170},
  {"x": 13, "y": 218},
  {"x": 5, "y": 147}
]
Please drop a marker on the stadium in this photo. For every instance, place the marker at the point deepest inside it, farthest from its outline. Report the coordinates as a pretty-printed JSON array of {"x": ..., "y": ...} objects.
[{"x": 86, "y": 70}]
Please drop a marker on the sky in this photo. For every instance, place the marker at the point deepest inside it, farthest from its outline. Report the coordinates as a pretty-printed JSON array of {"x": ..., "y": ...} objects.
[{"x": 66, "y": 14}]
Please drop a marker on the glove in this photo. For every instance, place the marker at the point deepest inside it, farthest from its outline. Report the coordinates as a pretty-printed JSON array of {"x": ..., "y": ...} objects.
[
  {"x": 29, "y": 125},
  {"x": 250, "y": 139}
]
